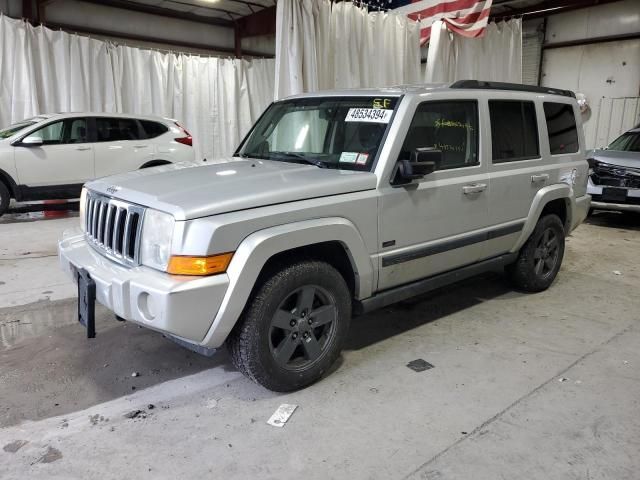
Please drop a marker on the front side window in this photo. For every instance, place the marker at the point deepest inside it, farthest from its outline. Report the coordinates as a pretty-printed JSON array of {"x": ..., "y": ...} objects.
[
  {"x": 72, "y": 130},
  {"x": 514, "y": 130},
  {"x": 448, "y": 126},
  {"x": 116, "y": 129},
  {"x": 51, "y": 134},
  {"x": 330, "y": 132},
  {"x": 561, "y": 127},
  {"x": 627, "y": 142}
]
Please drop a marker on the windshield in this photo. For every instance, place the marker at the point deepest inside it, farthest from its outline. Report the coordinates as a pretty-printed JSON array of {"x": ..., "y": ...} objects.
[
  {"x": 627, "y": 142},
  {"x": 16, "y": 127},
  {"x": 329, "y": 132}
]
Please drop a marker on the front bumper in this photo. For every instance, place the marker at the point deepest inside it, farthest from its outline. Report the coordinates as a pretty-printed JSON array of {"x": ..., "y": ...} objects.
[
  {"x": 183, "y": 307},
  {"x": 632, "y": 203},
  {"x": 616, "y": 207}
]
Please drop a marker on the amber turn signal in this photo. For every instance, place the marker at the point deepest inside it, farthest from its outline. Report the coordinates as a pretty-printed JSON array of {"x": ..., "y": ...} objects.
[{"x": 184, "y": 265}]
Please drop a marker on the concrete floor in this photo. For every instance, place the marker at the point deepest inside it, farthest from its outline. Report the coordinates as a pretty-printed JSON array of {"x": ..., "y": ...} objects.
[{"x": 523, "y": 386}]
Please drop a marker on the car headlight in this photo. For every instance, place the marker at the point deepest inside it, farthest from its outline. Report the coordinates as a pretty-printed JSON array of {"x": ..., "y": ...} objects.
[
  {"x": 83, "y": 213},
  {"x": 157, "y": 235}
]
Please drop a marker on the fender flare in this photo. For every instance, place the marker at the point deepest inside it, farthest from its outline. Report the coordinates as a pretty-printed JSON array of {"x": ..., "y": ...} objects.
[
  {"x": 542, "y": 197},
  {"x": 255, "y": 250}
]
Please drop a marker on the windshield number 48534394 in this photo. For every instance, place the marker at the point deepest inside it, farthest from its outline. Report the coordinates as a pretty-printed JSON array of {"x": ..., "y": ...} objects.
[{"x": 375, "y": 115}]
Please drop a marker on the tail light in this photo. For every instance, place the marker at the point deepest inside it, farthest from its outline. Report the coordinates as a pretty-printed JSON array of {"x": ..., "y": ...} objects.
[{"x": 187, "y": 139}]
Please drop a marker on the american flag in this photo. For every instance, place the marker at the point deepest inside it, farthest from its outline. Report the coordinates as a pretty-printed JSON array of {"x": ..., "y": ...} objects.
[{"x": 465, "y": 17}]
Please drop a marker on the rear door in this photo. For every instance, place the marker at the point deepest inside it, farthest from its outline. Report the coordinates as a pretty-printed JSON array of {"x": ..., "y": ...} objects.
[
  {"x": 65, "y": 157},
  {"x": 517, "y": 169},
  {"x": 121, "y": 145}
]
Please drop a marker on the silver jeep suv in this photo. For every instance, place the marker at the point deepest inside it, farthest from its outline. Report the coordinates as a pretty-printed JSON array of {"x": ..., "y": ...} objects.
[{"x": 335, "y": 204}]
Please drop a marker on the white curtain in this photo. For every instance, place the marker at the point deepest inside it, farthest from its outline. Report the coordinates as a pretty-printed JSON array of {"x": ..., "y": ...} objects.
[
  {"x": 496, "y": 56},
  {"x": 322, "y": 45},
  {"x": 44, "y": 71}
]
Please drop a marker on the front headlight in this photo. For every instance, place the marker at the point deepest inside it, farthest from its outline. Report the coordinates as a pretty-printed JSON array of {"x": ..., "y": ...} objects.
[
  {"x": 83, "y": 213},
  {"x": 157, "y": 235}
]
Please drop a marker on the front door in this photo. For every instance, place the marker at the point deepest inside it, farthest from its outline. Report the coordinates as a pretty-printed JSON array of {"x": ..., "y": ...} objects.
[
  {"x": 439, "y": 223},
  {"x": 64, "y": 159}
]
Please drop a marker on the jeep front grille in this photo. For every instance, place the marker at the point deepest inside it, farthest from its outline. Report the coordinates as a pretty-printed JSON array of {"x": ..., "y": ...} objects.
[{"x": 114, "y": 228}]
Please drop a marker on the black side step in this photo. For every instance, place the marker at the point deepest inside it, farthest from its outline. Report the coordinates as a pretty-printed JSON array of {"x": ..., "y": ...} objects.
[{"x": 403, "y": 292}]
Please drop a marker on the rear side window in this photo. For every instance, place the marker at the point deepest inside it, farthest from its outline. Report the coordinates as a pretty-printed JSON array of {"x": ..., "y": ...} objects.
[
  {"x": 153, "y": 129},
  {"x": 561, "y": 126},
  {"x": 451, "y": 127},
  {"x": 117, "y": 129},
  {"x": 514, "y": 130}
]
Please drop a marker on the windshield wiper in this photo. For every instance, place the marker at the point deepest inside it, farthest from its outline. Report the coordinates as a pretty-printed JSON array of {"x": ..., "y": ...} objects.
[{"x": 298, "y": 156}]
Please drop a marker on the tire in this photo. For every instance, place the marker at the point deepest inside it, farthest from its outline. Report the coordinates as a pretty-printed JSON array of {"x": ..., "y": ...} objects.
[
  {"x": 540, "y": 257},
  {"x": 276, "y": 343},
  {"x": 5, "y": 198}
]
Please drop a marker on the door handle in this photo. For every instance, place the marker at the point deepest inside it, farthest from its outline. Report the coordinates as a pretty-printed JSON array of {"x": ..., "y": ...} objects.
[
  {"x": 474, "y": 188},
  {"x": 543, "y": 177},
  {"x": 140, "y": 146},
  {"x": 82, "y": 149}
]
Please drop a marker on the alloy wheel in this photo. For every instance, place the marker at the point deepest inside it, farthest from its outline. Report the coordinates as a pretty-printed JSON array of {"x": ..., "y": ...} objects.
[
  {"x": 546, "y": 253},
  {"x": 303, "y": 327}
]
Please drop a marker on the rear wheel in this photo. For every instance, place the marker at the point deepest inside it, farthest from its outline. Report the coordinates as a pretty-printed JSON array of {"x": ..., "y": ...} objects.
[
  {"x": 5, "y": 197},
  {"x": 294, "y": 328},
  {"x": 540, "y": 257}
]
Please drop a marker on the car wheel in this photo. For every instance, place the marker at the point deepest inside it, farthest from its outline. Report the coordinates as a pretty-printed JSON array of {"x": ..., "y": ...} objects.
[
  {"x": 540, "y": 257},
  {"x": 294, "y": 327},
  {"x": 5, "y": 197}
]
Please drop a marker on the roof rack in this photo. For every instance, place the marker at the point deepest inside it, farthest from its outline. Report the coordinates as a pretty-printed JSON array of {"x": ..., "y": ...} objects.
[{"x": 518, "y": 87}]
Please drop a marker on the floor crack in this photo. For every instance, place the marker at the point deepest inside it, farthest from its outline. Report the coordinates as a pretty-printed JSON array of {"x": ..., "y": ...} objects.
[{"x": 519, "y": 400}]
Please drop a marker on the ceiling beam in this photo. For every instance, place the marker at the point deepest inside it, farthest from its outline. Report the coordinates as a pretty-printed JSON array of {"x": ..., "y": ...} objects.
[
  {"x": 549, "y": 7},
  {"x": 229, "y": 13},
  {"x": 27, "y": 10},
  {"x": 592, "y": 40},
  {"x": 145, "y": 38},
  {"x": 249, "y": 4},
  {"x": 262, "y": 22},
  {"x": 163, "y": 12}
]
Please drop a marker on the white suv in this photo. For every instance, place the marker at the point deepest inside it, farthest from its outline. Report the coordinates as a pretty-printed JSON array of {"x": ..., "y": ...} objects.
[{"x": 51, "y": 156}]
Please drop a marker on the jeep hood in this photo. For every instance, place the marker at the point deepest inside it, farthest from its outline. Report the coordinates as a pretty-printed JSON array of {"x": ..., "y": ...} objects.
[{"x": 190, "y": 191}]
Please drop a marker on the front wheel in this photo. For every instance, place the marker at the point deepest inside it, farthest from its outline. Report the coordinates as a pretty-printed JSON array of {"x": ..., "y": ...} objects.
[
  {"x": 540, "y": 257},
  {"x": 294, "y": 327},
  {"x": 5, "y": 197}
]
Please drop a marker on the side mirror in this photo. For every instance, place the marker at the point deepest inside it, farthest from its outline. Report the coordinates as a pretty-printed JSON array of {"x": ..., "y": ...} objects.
[
  {"x": 31, "y": 141},
  {"x": 423, "y": 162}
]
